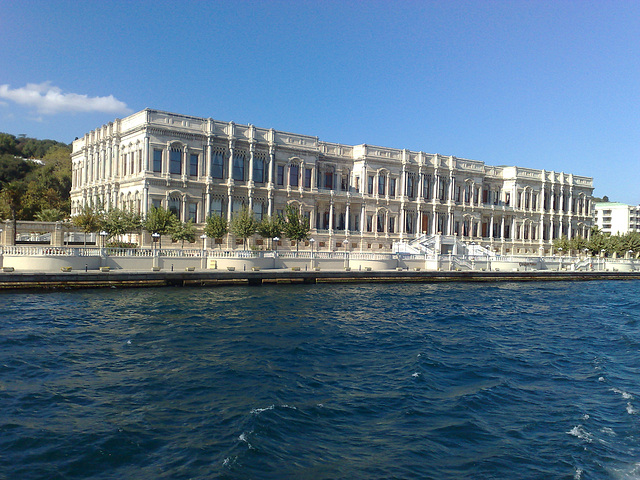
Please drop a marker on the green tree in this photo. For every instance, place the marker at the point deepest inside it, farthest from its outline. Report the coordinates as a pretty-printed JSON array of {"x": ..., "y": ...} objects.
[
  {"x": 119, "y": 222},
  {"x": 13, "y": 168},
  {"x": 11, "y": 195},
  {"x": 89, "y": 220},
  {"x": 577, "y": 244},
  {"x": 295, "y": 227},
  {"x": 243, "y": 225},
  {"x": 183, "y": 231},
  {"x": 270, "y": 227},
  {"x": 216, "y": 226},
  {"x": 8, "y": 144},
  {"x": 562, "y": 245},
  {"x": 160, "y": 221}
]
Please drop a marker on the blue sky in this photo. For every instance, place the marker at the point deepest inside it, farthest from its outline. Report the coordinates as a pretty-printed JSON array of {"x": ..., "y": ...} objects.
[{"x": 551, "y": 85}]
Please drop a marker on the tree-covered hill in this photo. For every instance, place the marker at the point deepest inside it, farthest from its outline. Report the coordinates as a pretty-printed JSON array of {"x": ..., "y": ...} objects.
[{"x": 30, "y": 190}]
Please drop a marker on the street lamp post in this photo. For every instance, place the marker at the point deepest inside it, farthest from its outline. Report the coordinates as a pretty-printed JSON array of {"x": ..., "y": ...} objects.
[
  {"x": 103, "y": 235},
  {"x": 275, "y": 244},
  {"x": 203, "y": 261},
  {"x": 311, "y": 242},
  {"x": 560, "y": 251},
  {"x": 155, "y": 237}
]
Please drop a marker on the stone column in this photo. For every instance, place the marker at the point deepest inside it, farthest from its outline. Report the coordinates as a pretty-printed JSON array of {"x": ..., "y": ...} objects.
[
  {"x": 230, "y": 166},
  {"x": 331, "y": 216},
  {"x": 347, "y": 220},
  {"x": 252, "y": 148},
  {"x": 207, "y": 207},
  {"x": 145, "y": 155},
  {"x": 208, "y": 158},
  {"x": 272, "y": 161},
  {"x": 145, "y": 200},
  {"x": 229, "y": 203}
]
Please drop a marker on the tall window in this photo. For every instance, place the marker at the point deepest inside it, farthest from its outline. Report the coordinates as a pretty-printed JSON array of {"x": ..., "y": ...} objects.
[
  {"x": 174, "y": 206},
  {"x": 382, "y": 183},
  {"x": 238, "y": 167},
  {"x": 193, "y": 212},
  {"x": 328, "y": 179},
  {"x": 258, "y": 211},
  {"x": 370, "y": 184},
  {"x": 280, "y": 175},
  {"x": 294, "y": 171},
  {"x": 392, "y": 187},
  {"x": 237, "y": 205},
  {"x": 258, "y": 170},
  {"x": 410, "y": 183},
  {"x": 408, "y": 222},
  {"x": 307, "y": 178},
  {"x": 175, "y": 161},
  {"x": 426, "y": 187},
  {"x": 157, "y": 160},
  {"x": 217, "y": 165},
  {"x": 193, "y": 165},
  {"x": 217, "y": 206}
]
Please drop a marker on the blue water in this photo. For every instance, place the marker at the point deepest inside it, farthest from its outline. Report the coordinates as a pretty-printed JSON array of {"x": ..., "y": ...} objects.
[{"x": 401, "y": 381}]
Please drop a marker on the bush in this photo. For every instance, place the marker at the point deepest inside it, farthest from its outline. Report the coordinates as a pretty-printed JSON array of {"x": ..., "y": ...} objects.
[{"x": 122, "y": 245}]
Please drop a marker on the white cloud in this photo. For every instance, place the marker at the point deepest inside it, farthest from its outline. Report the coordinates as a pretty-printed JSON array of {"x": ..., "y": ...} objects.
[{"x": 49, "y": 100}]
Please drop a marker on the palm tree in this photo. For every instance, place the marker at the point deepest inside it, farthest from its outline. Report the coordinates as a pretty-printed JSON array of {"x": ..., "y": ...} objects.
[{"x": 50, "y": 215}]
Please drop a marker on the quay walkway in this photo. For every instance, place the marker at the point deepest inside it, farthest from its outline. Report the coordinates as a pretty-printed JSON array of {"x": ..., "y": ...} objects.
[{"x": 128, "y": 279}]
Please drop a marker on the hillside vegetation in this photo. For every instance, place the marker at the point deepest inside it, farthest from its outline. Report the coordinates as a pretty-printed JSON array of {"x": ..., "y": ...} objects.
[{"x": 35, "y": 178}]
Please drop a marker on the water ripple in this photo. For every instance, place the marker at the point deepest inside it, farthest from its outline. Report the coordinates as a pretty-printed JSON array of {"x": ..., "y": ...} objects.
[{"x": 431, "y": 381}]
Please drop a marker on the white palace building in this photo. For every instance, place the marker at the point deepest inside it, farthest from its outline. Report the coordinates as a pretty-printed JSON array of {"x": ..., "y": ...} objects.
[{"x": 356, "y": 197}]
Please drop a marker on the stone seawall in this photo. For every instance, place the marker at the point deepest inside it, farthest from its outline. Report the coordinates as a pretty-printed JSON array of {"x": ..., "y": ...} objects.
[{"x": 119, "y": 279}]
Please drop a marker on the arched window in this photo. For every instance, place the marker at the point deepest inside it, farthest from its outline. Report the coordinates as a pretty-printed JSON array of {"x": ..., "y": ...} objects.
[
  {"x": 174, "y": 205},
  {"x": 294, "y": 174}
]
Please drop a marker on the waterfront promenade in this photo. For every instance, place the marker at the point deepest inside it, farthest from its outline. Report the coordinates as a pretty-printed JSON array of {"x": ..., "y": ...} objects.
[
  {"x": 132, "y": 279},
  {"x": 80, "y": 267}
]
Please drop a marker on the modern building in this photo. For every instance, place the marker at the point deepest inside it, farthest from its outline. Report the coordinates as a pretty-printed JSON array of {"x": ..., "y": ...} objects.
[
  {"x": 357, "y": 197},
  {"x": 617, "y": 218}
]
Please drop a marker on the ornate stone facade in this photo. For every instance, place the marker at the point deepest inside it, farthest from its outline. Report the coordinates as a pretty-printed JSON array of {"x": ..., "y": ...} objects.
[{"x": 358, "y": 197}]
